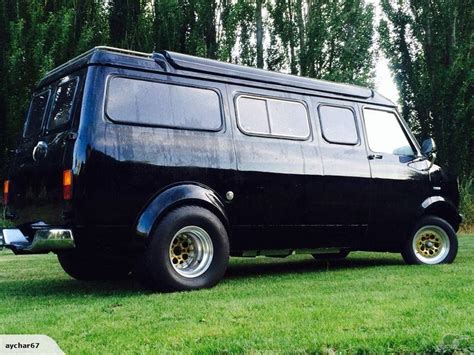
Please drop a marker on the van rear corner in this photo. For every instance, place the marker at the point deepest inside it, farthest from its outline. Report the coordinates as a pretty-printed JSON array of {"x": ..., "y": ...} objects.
[
  {"x": 38, "y": 192},
  {"x": 42, "y": 240}
]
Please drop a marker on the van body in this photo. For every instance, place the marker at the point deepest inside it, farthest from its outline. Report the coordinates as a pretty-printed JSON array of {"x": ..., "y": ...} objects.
[{"x": 167, "y": 164}]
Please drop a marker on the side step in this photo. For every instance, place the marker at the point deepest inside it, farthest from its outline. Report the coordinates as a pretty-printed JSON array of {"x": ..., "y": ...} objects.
[
  {"x": 282, "y": 253},
  {"x": 44, "y": 241}
]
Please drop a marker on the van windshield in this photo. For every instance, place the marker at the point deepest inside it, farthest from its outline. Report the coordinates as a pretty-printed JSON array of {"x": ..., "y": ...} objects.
[{"x": 36, "y": 114}]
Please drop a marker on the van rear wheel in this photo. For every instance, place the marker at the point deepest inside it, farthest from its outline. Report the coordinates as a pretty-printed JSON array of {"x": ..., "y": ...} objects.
[
  {"x": 87, "y": 266},
  {"x": 433, "y": 241},
  {"x": 189, "y": 249}
]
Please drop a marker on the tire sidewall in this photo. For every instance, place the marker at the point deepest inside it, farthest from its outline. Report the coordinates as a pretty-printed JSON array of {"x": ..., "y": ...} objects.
[
  {"x": 163, "y": 275},
  {"x": 409, "y": 254}
]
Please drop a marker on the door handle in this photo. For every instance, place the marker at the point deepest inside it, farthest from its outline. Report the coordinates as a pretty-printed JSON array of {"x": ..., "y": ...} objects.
[{"x": 375, "y": 156}]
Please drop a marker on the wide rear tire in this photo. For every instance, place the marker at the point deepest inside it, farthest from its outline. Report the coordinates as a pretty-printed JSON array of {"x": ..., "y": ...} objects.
[{"x": 188, "y": 250}]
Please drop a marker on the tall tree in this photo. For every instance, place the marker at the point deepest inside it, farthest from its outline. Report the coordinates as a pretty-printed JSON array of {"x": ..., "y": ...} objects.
[
  {"x": 323, "y": 41},
  {"x": 259, "y": 32},
  {"x": 129, "y": 24},
  {"x": 308, "y": 37},
  {"x": 6, "y": 14},
  {"x": 90, "y": 25},
  {"x": 168, "y": 29},
  {"x": 227, "y": 28},
  {"x": 430, "y": 47},
  {"x": 286, "y": 29}
]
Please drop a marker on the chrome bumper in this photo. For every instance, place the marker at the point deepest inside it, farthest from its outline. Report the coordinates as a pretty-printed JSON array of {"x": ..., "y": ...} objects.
[{"x": 44, "y": 241}]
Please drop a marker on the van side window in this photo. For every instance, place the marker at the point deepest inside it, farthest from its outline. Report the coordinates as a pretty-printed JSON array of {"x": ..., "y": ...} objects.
[
  {"x": 36, "y": 114},
  {"x": 385, "y": 134},
  {"x": 62, "y": 104},
  {"x": 338, "y": 125},
  {"x": 159, "y": 104},
  {"x": 272, "y": 117}
]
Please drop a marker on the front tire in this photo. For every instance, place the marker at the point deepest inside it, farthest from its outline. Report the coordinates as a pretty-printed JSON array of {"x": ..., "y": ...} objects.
[
  {"x": 433, "y": 241},
  {"x": 189, "y": 249}
]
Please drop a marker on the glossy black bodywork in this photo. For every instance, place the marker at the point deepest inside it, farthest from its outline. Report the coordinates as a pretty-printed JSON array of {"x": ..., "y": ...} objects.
[{"x": 287, "y": 193}]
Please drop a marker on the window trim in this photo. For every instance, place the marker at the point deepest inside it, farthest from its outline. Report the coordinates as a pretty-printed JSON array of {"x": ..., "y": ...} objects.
[
  {"x": 405, "y": 129},
  {"x": 354, "y": 116},
  {"x": 238, "y": 95},
  {"x": 167, "y": 82},
  {"x": 45, "y": 114},
  {"x": 61, "y": 82}
]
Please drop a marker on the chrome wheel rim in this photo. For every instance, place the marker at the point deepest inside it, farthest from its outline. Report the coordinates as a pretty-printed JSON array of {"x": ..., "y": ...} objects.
[
  {"x": 431, "y": 244},
  {"x": 191, "y": 251}
]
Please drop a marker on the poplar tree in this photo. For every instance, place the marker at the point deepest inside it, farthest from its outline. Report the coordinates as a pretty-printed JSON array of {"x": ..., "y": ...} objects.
[{"x": 431, "y": 53}]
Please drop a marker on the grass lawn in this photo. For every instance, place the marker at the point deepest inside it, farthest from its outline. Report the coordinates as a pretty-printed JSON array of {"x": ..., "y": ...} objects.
[{"x": 368, "y": 302}]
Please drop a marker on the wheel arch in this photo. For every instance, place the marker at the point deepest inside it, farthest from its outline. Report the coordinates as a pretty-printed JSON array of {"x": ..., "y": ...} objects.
[
  {"x": 441, "y": 207},
  {"x": 174, "y": 196}
]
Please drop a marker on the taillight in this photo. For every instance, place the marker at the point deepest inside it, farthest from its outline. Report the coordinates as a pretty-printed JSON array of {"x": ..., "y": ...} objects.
[
  {"x": 67, "y": 184},
  {"x": 6, "y": 191}
]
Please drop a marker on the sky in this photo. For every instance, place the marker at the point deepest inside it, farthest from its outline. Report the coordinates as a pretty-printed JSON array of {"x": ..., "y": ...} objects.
[{"x": 384, "y": 81}]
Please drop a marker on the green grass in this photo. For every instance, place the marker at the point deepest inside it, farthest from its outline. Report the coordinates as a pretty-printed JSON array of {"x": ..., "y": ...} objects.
[
  {"x": 368, "y": 302},
  {"x": 466, "y": 190},
  {"x": 3, "y": 222}
]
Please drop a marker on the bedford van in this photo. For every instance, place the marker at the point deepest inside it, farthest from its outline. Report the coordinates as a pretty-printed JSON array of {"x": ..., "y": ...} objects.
[{"x": 166, "y": 164}]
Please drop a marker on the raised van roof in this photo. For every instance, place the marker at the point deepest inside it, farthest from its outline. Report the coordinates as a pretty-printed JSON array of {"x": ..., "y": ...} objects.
[{"x": 177, "y": 63}]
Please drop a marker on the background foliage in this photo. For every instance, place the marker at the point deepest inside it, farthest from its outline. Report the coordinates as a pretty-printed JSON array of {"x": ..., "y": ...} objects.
[
  {"x": 312, "y": 38},
  {"x": 429, "y": 45}
]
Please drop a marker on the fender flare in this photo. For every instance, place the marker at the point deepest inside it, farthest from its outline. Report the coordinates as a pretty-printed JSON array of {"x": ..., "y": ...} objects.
[
  {"x": 441, "y": 207},
  {"x": 174, "y": 196}
]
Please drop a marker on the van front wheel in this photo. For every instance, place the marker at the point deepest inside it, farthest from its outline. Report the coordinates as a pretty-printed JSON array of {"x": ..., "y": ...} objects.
[
  {"x": 189, "y": 249},
  {"x": 433, "y": 241}
]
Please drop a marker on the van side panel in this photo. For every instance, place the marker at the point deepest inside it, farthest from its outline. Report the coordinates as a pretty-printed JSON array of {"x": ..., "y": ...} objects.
[
  {"x": 272, "y": 178},
  {"x": 345, "y": 188},
  {"x": 123, "y": 166}
]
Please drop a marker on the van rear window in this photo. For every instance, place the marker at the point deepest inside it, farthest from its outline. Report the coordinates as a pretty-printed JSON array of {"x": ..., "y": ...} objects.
[
  {"x": 62, "y": 104},
  {"x": 159, "y": 104},
  {"x": 36, "y": 114}
]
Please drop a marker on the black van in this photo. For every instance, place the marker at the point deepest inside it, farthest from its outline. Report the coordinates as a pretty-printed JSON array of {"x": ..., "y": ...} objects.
[{"x": 166, "y": 164}]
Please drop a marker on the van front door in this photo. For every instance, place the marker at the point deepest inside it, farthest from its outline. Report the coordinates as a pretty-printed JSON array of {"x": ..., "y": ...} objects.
[{"x": 400, "y": 181}]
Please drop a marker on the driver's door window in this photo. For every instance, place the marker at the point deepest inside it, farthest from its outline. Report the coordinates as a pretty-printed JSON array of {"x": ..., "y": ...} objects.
[{"x": 385, "y": 134}]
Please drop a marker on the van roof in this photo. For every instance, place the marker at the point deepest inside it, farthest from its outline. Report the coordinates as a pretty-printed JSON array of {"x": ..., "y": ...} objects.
[{"x": 177, "y": 63}]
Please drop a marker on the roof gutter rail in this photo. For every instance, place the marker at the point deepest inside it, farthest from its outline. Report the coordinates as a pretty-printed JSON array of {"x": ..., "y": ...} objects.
[
  {"x": 90, "y": 51},
  {"x": 209, "y": 66}
]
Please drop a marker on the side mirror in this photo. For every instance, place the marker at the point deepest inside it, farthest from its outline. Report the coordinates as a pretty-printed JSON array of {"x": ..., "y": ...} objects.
[{"x": 428, "y": 147}]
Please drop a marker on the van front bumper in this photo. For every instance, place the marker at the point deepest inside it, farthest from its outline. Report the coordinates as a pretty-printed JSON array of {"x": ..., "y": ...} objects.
[{"x": 44, "y": 241}]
